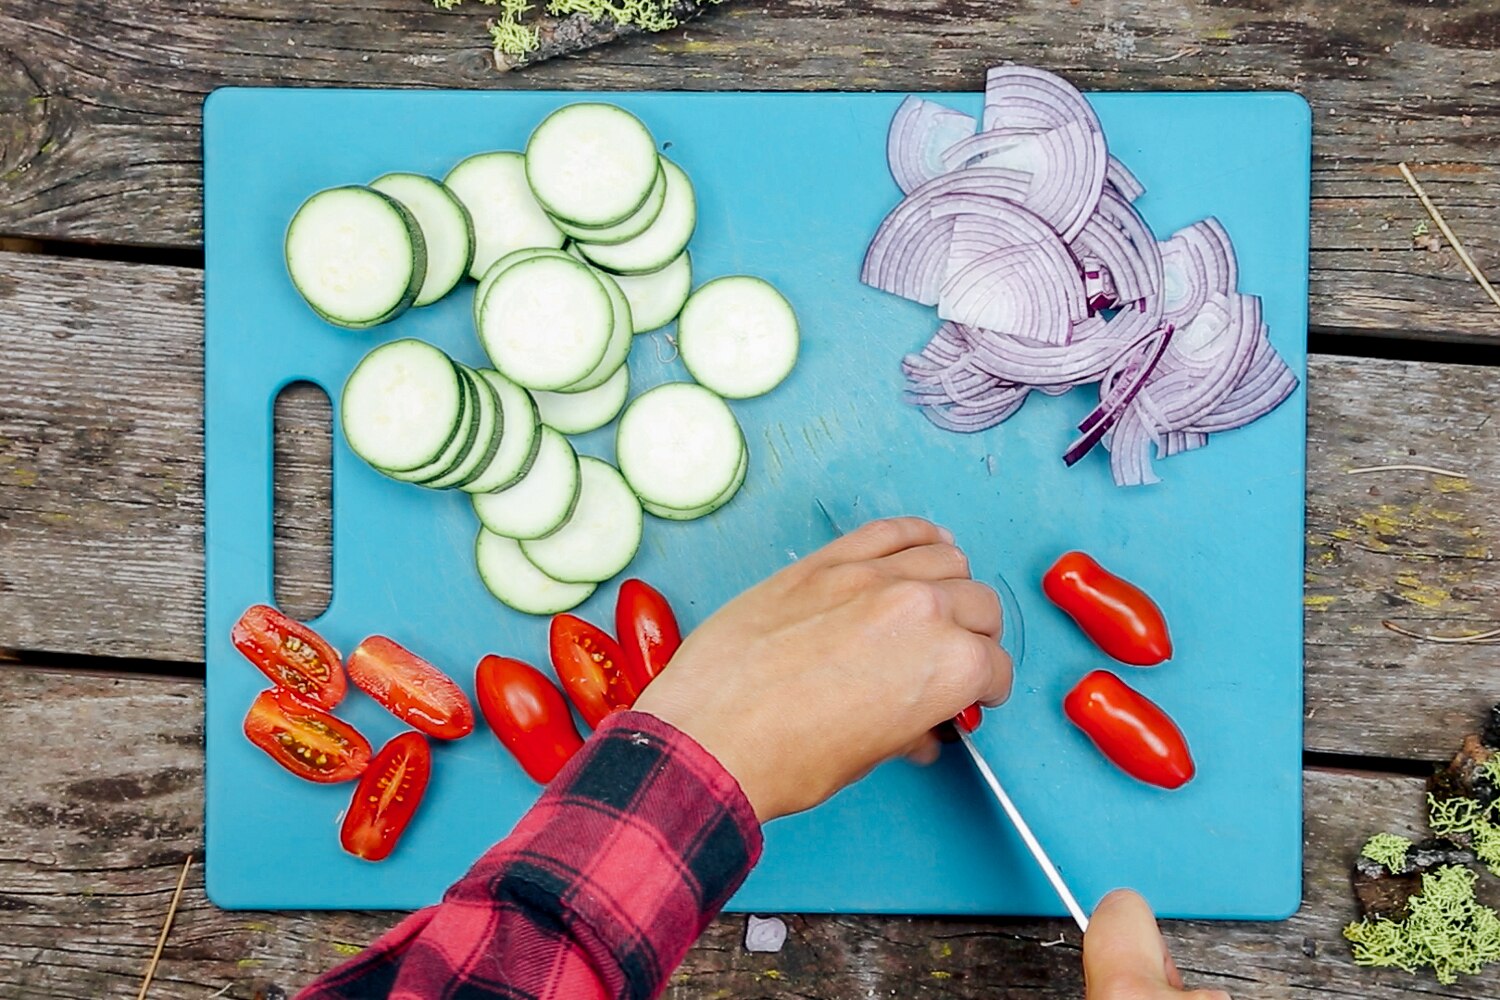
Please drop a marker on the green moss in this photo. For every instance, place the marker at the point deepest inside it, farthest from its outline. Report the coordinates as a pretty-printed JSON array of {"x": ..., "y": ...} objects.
[
  {"x": 1491, "y": 769},
  {"x": 1387, "y": 849},
  {"x": 1446, "y": 930}
]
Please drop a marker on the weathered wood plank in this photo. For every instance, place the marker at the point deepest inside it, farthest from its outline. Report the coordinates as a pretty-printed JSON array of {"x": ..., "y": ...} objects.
[
  {"x": 113, "y": 155},
  {"x": 101, "y": 503},
  {"x": 93, "y": 841}
]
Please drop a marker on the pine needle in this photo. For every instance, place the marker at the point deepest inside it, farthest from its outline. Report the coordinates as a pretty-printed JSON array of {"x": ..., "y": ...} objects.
[
  {"x": 1452, "y": 238},
  {"x": 1478, "y": 638},
  {"x": 1406, "y": 467},
  {"x": 166, "y": 927}
]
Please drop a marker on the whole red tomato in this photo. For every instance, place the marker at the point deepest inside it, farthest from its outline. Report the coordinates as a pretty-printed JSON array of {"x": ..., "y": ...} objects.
[
  {"x": 1116, "y": 614},
  {"x": 592, "y": 669},
  {"x": 1130, "y": 729},
  {"x": 529, "y": 715},
  {"x": 647, "y": 629}
]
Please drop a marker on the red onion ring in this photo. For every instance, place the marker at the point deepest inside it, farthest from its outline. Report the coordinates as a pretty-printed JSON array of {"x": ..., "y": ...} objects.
[{"x": 920, "y": 132}]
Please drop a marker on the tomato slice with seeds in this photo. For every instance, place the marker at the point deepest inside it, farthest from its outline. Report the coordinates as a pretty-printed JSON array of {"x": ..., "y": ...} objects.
[
  {"x": 592, "y": 669},
  {"x": 387, "y": 797},
  {"x": 291, "y": 654},
  {"x": 305, "y": 740},
  {"x": 411, "y": 689},
  {"x": 647, "y": 629}
]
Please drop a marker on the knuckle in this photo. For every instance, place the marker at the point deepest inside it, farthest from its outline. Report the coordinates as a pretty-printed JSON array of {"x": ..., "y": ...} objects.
[
  {"x": 954, "y": 558},
  {"x": 969, "y": 660},
  {"x": 914, "y": 599}
]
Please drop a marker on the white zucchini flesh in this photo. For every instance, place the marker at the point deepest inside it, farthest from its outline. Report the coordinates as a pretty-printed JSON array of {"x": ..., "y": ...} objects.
[
  {"x": 738, "y": 336},
  {"x": 581, "y": 412},
  {"x": 600, "y": 537},
  {"x": 515, "y": 582},
  {"x": 519, "y": 436},
  {"x": 458, "y": 446},
  {"x": 546, "y": 322},
  {"x": 657, "y": 297},
  {"x": 660, "y": 244},
  {"x": 355, "y": 255},
  {"x": 487, "y": 434},
  {"x": 499, "y": 267},
  {"x": 506, "y": 216},
  {"x": 540, "y": 501},
  {"x": 447, "y": 231},
  {"x": 674, "y": 514},
  {"x": 679, "y": 446},
  {"x": 591, "y": 164},
  {"x": 638, "y": 222},
  {"x": 620, "y": 338},
  {"x": 401, "y": 406}
]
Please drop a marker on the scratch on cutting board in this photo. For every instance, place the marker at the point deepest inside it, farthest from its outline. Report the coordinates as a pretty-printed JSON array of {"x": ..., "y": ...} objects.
[
  {"x": 775, "y": 455},
  {"x": 786, "y": 438}
]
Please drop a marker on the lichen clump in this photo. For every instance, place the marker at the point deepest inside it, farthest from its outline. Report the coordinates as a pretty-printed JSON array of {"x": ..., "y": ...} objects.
[
  {"x": 1446, "y": 929},
  {"x": 1387, "y": 849},
  {"x": 513, "y": 37},
  {"x": 1464, "y": 819}
]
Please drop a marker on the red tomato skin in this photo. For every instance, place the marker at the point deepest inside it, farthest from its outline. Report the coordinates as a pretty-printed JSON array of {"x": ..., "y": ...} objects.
[
  {"x": 591, "y": 667},
  {"x": 294, "y": 734},
  {"x": 529, "y": 715},
  {"x": 969, "y": 719},
  {"x": 379, "y": 813},
  {"x": 291, "y": 654},
  {"x": 647, "y": 629},
  {"x": 411, "y": 689},
  {"x": 1131, "y": 730},
  {"x": 1114, "y": 613}
]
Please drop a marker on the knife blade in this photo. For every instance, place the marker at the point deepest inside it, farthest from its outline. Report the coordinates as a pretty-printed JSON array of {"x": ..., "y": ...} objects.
[{"x": 1038, "y": 853}]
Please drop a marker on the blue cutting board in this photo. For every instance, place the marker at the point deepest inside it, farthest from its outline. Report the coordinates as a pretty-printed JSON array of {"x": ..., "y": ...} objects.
[{"x": 790, "y": 187}]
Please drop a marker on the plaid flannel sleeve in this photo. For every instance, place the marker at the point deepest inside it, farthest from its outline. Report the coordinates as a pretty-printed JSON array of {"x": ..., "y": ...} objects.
[{"x": 598, "y": 892}]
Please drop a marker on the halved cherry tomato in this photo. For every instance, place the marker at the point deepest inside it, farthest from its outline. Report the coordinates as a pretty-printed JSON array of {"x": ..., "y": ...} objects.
[
  {"x": 647, "y": 630},
  {"x": 1116, "y": 614},
  {"x": 529, "y": 714},
  {"x": 291, "y": 654},
  {"x": 592, "y": 669},
  {"x": 1130, "y": 729},
  {"x": 306, "y": 741},
  {"x": 411, "y": 689},
  {"x": 386, "y": 798}
]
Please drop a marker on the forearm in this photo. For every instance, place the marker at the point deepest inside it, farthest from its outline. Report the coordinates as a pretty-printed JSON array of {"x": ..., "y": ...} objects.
[{"x": 599, "y": 891}]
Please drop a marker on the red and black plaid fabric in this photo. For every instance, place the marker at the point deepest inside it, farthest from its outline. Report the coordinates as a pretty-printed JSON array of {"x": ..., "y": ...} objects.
[{"x": 598, "y": 892}]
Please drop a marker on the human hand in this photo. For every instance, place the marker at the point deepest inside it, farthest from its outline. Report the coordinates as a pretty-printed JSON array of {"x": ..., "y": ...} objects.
[
  {"x": 1125, "y": 958},
  {"x": 840, "y": 661}
]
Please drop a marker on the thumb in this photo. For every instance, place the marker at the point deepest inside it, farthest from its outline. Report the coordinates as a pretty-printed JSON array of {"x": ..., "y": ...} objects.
[{"x": 1124, "y": 954}]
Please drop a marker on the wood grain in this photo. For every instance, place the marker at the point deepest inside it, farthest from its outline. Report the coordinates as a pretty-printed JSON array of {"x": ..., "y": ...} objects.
[
  {"x": 99, "y": 104},
  {"x": 90, "y": 847},
  {"x": 101, "y": 503}
]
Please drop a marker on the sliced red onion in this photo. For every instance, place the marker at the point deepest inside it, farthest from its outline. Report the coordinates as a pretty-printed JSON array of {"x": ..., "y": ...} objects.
[
  {"x": 909, "y": 254},
  {"x": 920, "y": 132},
  {"x": 1130, "y": 453},
  {"x": 1026, "y": 97},
  {"x": 1066, "y": 165},
  {"x": 1119, "y": 177},
  {"x": 1117, "y": 399},
  {"x": 1050, "y": 278},
  {"x": 1116, "y": 240}
]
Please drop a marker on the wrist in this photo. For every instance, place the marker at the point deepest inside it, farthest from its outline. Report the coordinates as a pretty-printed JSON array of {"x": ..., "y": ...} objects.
[{"x": 714, "y": 741}]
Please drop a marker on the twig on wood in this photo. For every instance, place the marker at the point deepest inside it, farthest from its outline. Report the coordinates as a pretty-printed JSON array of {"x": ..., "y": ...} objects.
[
  {"x": 1453, "y": 240},
  {"x": 1186, "y": 50},
  {"x": 220, "y": 991},
  {"x": 1475, "y": 638},
  {"x": 1061, "y": 939},
  {"x": 166, "y": 927},
  {"x": 1404, "y": 467}
]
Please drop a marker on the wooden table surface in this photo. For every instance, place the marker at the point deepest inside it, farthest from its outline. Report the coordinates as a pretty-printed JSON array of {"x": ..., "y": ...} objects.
[{"x": 101, "y": 554}]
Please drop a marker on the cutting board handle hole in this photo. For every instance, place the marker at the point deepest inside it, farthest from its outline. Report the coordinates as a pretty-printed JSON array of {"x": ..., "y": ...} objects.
[{"x": 302, "y": 501}]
